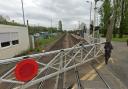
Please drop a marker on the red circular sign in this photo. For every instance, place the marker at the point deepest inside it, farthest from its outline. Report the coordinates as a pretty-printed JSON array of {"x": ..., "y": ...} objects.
[{"x": 26, "y": 70}]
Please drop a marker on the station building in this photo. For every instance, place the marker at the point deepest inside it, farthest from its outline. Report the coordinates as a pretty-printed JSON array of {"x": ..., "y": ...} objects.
[{"x": 13, "y": 40}]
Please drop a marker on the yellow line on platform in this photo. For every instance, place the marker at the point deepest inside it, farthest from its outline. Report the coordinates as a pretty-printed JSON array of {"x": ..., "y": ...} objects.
[{"x": 91, "y": 75}]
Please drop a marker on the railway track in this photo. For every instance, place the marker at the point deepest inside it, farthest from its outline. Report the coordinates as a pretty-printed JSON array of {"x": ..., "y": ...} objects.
[
  {"x": 79, "y": 85},
  {"x": 66, "y": 41},
  {"x": 100, "y": 76}
]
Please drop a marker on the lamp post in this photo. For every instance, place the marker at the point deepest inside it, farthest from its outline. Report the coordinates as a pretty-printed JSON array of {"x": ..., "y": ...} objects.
[
  {"x": 95, "y": 1},
  {"x": 90, "y": 13},
  {"x": 93, "y": 34},
  {"x": 94, "y": 22},
  {"x": 23, "y": 11}
]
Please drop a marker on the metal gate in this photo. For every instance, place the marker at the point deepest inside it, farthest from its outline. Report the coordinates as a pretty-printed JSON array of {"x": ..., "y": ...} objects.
[{"x": 52, "y": 62}]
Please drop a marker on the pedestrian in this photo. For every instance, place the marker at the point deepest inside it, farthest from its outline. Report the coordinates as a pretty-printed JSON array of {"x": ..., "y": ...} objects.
[{"x": 108, "y": 47}]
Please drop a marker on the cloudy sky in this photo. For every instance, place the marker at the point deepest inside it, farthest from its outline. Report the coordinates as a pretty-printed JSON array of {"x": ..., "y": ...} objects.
[{"x": 40, "y": 12}]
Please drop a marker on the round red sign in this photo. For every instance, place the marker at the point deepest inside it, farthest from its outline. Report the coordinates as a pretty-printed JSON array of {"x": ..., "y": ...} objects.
[{"x": 26, "y": 70}]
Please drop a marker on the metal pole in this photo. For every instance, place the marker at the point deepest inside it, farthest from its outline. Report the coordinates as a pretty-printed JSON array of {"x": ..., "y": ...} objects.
[
  {"x": 51, "y": 21},
  {"x": 94, "y": 20},
  {"x": 51, "y": 25},
  {"x": 60, "y": 77},
  {"x": 90, "y": 16},
  {"x": 23, "y": 11},
  {"x": 94, "y": 23}
]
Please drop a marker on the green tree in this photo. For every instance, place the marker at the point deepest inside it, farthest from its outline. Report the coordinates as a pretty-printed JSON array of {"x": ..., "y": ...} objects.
[
  {"x": 122, "y": 23},
  {"x": 124, "y": 18},
  {"x": 117, "y": 8},
  {"x": 105, "y": 12},
  {"x": 2, "y": 20},
  {"x": 120, "y": 10}
]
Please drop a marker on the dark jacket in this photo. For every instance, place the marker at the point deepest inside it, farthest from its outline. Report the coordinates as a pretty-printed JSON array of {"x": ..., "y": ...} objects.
[{"x": 108, "y": 47}]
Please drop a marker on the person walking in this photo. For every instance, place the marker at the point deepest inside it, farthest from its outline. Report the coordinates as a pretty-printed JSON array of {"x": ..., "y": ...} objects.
[{"x": 108, "y": 47}]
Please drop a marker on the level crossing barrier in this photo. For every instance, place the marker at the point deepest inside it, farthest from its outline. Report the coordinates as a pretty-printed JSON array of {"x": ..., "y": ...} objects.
[{"x": 81, "y": 53}]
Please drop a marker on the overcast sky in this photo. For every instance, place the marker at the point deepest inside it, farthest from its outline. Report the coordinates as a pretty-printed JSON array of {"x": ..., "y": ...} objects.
[{"x": 40, "y": 12}]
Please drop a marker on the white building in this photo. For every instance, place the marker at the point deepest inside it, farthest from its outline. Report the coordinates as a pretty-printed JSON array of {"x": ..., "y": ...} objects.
[{"x": 13, "y": 40}]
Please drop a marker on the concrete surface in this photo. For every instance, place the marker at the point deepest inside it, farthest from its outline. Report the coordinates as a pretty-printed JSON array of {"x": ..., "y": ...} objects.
[
  {"x": 119, "y": 64},
  {"x": 95, "y": 82},
  {"x": 115, "y": 73}
]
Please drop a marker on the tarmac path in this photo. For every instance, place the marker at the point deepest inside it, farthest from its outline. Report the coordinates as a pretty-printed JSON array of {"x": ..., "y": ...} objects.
[{"x": 119, "y": 62}]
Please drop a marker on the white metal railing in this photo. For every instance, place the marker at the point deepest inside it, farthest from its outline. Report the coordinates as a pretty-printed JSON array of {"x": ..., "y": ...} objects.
[{"x": 80, "y": 53}]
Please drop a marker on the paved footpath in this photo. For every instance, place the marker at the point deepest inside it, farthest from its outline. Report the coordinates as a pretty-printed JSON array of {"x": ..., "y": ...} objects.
[
  {"x": 119, "y": 62},
  {"x": 115, "y": 73},
  {"x": 93, "y": 81}
]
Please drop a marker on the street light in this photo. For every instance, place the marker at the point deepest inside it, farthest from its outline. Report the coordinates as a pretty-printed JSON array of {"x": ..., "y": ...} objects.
[
  {"x": 23, "y": 11},
  {"x": 95, "y": 1},
  {"x": 90, "y": 12}
]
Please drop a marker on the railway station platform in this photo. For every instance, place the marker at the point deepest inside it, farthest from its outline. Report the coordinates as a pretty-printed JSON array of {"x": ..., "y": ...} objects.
[{"x": 101, "y": 78}]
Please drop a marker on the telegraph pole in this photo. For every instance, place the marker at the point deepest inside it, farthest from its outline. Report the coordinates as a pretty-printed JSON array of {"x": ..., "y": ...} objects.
[
  {"x": 90, "y": 18},
  {"x": 93, "y": 34},
  {"x": 23, "y": 11},
  {"x": 94, "y": 21},
  {"x": 90, "y": 14}
]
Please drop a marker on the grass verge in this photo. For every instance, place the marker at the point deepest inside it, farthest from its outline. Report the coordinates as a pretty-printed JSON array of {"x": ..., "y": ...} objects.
[{"x": 124, "y": 39}]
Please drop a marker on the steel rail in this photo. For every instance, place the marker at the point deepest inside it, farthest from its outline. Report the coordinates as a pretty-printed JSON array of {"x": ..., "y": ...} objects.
[
  {"x": 99, "y": 74},
  {"x": 77, "y": 77}
]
